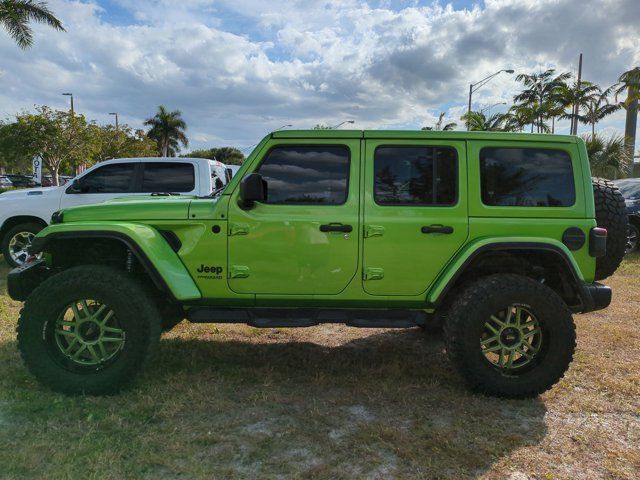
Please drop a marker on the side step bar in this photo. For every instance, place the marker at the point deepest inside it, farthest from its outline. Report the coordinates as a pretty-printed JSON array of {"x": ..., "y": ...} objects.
[{"x": 307, "y": 317}]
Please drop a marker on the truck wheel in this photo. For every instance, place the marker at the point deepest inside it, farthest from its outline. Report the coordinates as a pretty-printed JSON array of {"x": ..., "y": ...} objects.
[
  {"x": 88, "y": 330},
  {"x": 611, "y": 213},
  {"x": 510, "y": 336},
  {"x": 16, "y": 242}
]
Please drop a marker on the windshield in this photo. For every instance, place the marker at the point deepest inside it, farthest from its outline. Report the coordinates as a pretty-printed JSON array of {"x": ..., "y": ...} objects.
[{"x": 630, "y": 189}]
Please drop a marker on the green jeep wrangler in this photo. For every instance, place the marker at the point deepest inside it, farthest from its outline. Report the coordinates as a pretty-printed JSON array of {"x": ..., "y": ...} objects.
[{"x": 497, "y": 237}]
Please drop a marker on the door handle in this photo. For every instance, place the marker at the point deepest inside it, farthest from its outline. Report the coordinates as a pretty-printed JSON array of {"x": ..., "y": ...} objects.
[
  {"x": 336, "y": 227},
  {"x": 437, "y": 229}
]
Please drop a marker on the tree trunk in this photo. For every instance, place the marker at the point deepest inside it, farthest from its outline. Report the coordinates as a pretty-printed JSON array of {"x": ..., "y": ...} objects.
[
  {"x": 54, "y": 176},
  {"x": 593, "y": 130},
  {"x": 630, "y": 131}
]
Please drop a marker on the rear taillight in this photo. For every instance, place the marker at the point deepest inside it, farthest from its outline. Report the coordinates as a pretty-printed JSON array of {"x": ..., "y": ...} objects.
[{"x": 598, "y": 242}]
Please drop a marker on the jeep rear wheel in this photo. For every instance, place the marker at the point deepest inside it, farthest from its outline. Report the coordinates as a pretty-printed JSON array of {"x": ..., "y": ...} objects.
[
  {"x": 510, "y": 336},
  {"x": 88, "y": 330},
  {"x": 16, "y": 242},
  {"x": 611, "y": 213}
]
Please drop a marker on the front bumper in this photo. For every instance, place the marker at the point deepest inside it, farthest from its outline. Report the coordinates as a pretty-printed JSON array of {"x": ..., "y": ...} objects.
[
  {"x": 595, "y": 296},
  {"x": 24, "y": 279}
]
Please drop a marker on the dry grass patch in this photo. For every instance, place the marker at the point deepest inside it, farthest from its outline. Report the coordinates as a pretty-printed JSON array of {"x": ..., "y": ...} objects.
[{"x": 330, "y": 402}]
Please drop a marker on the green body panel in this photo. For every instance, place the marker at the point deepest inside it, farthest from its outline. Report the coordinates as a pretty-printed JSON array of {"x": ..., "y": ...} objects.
[
  {"x": 276, "y": 255},
  {"x": 151, "y": 242},
  {"x": 401, "y": 231}
]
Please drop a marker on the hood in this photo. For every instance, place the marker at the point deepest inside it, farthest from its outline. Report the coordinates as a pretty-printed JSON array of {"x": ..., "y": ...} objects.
[
  {"x": 131, "y": 208},
  {"x": 29, "y": 192}
]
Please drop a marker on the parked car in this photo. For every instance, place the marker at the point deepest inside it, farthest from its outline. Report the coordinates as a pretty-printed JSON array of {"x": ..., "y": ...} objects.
[
  {"x": 23, "y": 213},
  {"x": 47, "y": 180},
  {"x": 493, "y": 233},
  {"x": 5, "y": 182},
  {"x": 630, "y": 190},
  {"x": 22, "y": 181}
]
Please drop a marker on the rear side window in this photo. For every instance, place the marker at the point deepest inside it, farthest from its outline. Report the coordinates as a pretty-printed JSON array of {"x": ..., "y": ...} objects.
[
  {"x": 114, "y": 178},
  {"x": 307, "y": 174},
  {"x": 526, "y": 177},
  {"x": 415, "y": 176},
  {"x": 167, "y": 177}
]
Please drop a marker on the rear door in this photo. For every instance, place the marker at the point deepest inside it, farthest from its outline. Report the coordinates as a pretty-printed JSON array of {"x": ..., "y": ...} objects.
[{"x": 415, "y": 214}]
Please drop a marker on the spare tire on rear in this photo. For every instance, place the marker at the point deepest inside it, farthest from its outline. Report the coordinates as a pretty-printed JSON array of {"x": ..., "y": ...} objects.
[{"x": 611, "y": 213}]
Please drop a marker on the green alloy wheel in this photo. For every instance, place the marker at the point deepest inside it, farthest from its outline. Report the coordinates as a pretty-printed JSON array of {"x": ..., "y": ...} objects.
[
  {"x": 509, "y": 335},
  {"x": 88, "y": 329},
  {"x": 88, "y": 333},
  {"x": 512, "y": 338}
]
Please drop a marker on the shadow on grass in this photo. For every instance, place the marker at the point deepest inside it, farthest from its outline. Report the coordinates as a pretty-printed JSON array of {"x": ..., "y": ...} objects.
[{"x": 384, "y": 405}]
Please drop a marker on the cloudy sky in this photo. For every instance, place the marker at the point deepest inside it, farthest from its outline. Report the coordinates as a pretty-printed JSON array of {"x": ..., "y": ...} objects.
[{"x": 240, "y": 68}]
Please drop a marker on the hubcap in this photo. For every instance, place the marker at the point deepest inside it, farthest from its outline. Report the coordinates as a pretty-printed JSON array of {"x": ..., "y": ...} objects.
[
  {"x": 511, "y": 338},
  {"x": 88, "y": 333},
  {"x": 18, "y": 246}
]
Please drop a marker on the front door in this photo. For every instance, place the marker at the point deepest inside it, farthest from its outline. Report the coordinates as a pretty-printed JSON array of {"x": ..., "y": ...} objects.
[
  {"x": 304, "y": 238},
  {"x": 415, "y": 215}
]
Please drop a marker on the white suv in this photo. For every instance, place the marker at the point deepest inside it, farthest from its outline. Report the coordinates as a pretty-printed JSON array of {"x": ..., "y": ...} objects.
[{"x": 23, "y": 213}]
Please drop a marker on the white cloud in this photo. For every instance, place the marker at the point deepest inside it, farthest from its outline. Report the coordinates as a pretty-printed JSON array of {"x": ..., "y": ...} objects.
[{"x": 238, "y": 69}]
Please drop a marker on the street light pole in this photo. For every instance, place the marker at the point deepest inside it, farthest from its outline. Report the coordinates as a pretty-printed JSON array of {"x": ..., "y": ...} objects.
[
  {"x": 342, "y": 123},
  {"x": 474, "y": 87},
  {"x": 116, "y": 115},
  {"x": 491, "y": 106},
  {"x": 283, "y": 126}
]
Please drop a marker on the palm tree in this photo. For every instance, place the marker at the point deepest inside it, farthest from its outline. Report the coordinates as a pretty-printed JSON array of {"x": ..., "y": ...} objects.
[
  {"x": 477, "y": 121},
  {"x": 609, "y": 158},
  {"x": 598, "y": 107},
  {"x": 168, "y": 130},
  {"x": 447, "y": 127},
  {"x": 630, "y": 81},
  {"x": 570, "y": 96},
  {"x": 540, "y": 94},
  {"x": 15, "y": 16}
]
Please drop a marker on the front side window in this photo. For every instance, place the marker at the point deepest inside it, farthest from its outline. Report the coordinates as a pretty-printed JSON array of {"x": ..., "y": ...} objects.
[
  {"x": 526, "y": 177},
  {"x": 168, "y": 177},
  {"x": 421, "y": 176},
  {"x": 307, "y": 174},
  {"x": 114, "y": 178}
]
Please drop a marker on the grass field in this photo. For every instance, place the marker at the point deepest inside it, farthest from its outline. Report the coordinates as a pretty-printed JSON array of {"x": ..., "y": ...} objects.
[{"x": 330, "y": 402}]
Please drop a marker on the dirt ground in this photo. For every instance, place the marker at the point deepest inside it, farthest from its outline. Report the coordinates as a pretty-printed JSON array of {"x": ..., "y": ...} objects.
[{"x": 330, "y": 402}]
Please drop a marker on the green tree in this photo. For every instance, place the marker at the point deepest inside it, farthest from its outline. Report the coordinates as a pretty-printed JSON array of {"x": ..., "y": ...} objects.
[
  {"x": 629, "y": 81},
  {"x": 596, "y": 108},
  {"x": 477, "y": 121},
  {"x": 50, "y": 134},
  {"x": 539, "y": 95},
  {"x": 108, "y": 143},
  {"x": 15, "y": 16},
  {"x": 609, "y": 158},
  {"x": 569, "y": 96},
  {"x": 321, "y": 126},
  {"x": 14, "y": 158},
  {"x": 440, "y": 126},
  {"x": 168, "y": 130},
  {"x": 226, "y": 155}
]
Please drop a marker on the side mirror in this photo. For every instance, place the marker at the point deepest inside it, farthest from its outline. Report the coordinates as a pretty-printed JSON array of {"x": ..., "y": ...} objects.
[{"x": 253, "y": 188}]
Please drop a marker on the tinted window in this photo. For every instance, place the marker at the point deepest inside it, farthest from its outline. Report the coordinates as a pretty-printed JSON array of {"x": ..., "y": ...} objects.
[
  {"x": 526, "y": 177},
  {"x": 629, "y": 188},
  {"x": 168, "y": 177},
  {"x": 114, "y": 178},
  {"x": 415, "y": 176},
  {"x": 307, "y": 174}
]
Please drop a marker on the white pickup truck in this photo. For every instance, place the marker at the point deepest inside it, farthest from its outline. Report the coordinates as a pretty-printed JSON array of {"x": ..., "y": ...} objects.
[{"x": 23, "y": 213}]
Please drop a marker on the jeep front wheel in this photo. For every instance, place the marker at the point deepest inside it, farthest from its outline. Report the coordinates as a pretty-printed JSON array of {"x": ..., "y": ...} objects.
[
  {"x": 510, "y": 336},
  {"x": 88, "y": 330}
]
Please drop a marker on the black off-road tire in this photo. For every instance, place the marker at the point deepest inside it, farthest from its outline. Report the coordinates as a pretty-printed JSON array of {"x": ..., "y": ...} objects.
[
  {"x": 136, "y": 313},
  {"x": 31, "y": 227},
  {"x": 483, "y": 298},
  {"x": 611, "y": 213}
]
